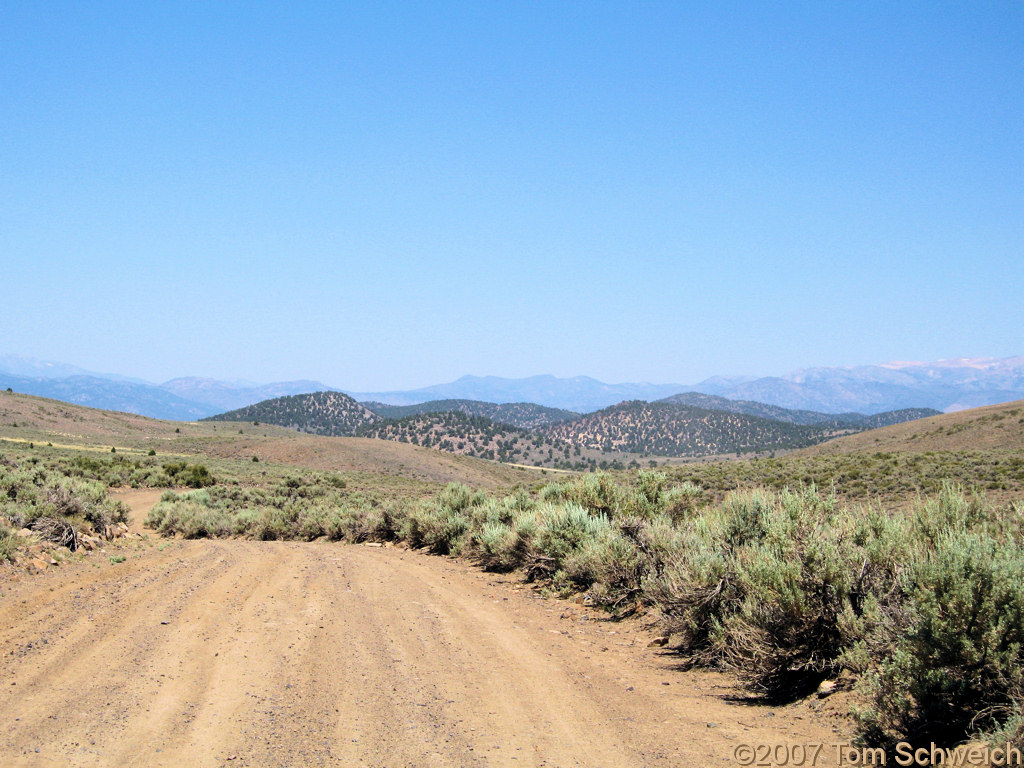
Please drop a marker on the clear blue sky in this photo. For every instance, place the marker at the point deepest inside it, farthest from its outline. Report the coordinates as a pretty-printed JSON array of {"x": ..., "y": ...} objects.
[{"x": 384, "y": 195}]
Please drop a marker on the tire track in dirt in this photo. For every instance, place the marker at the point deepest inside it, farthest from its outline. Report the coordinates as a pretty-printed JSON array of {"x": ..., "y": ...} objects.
[{"x": 295, "y": 654}]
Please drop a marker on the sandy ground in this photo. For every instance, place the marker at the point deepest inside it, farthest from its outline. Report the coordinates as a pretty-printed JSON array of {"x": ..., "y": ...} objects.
[{"x": 239, "y": 653}]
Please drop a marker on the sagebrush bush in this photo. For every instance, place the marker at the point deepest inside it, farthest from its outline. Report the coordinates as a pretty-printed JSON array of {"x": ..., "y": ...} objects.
[
  {"x": 191, "y": 475},
  {"x": 952, "y": 657},
  {"x": 596, "y": 492},
  {"x": 31, "y": 492},
  {"x": 505, "y": 545},
  {"x": 607, "y": 561},
  {"x": 648, "y": 494},
  {"x": 189, "y": 515},
  {"x": 9, "y": 540},
  {"x": 797, "y": 584}
]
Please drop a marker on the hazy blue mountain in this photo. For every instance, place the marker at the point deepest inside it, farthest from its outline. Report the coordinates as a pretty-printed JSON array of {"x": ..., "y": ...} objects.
[
  {"x": 945, "y": 385},
  {"x": 224, "y": 396},
  {"x": 126, "y": 396},
  {"x": 579, "y": 393},
  {"x": 183, "y": 399},
  {"x": 32, "y": 368}
]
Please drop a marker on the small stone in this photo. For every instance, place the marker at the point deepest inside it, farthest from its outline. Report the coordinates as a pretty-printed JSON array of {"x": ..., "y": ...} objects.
[
  {"x": 712, "y": 725},
  {"x": 827, "y": 688},
  {"x": 658, "y": 642}
]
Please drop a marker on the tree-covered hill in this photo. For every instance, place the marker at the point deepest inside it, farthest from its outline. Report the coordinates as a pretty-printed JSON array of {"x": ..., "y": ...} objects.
[
  {"x": 522, "y": 415},
  {"x": 668, "y": 429},
  {"x": 318, "y": 413},
  {"x": 556, "y": 438},
  {"x": 795, "y": 416},
  {"x": 477, "y": 436}
]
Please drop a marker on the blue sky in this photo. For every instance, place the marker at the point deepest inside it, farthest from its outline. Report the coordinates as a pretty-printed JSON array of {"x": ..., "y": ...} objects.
[{"x": 386, "y": 195}]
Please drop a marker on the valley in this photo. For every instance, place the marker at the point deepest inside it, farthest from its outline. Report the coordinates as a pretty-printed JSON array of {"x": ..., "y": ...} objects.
[{"x": 267, "y": 583}]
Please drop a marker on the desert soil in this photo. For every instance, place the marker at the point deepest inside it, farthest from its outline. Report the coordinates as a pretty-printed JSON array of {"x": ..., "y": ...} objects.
[{"x": 242, "y": 653}]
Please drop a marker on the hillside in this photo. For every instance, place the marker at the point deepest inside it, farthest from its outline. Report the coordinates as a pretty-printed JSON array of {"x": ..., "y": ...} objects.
[
  {"x": 887, "y": 418},
  {"x": 522, "y": 415},
  {"x": 994, "y": 427},
  {"x": 454, "y": 431},
  {"x": 478, "y": 436},
  {"x": 26, "y": 421},
  {"x": 797, "y": 416},
  {"x": 667, "y": 429},
  {"x": 318, "y": 413}
]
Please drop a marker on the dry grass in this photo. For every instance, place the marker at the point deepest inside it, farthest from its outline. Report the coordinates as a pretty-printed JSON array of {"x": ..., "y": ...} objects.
[{"x": 992, "y": 427}]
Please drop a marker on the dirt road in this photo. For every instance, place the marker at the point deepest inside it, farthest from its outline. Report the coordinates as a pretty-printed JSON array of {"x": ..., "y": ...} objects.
[{"x": 237, "y": 653}]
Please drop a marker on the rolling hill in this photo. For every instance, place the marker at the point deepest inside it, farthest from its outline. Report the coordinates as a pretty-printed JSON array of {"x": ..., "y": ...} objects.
[
  {"x": 993, "y": 427},
  {"x": 558, "y": 438},
  {"x": 522, "y": 415},
  {"x": 27, "y": 420},
  {"x": 669, "y": 429}
]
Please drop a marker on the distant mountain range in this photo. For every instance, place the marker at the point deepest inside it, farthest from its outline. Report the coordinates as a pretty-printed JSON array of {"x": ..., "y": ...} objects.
[
  {"x": 109, "y": 395},
  {"x": 183, "y": 399},
  {"x": 946, "y": 385},
  {"x": 581, "y": 394}
]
